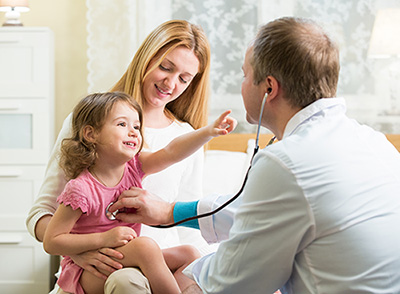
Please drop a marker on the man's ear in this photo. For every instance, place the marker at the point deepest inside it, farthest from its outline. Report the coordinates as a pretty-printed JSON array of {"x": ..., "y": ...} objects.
[
  {"x": 272, "y": 86},
  {"x": 89, "y": 134}
]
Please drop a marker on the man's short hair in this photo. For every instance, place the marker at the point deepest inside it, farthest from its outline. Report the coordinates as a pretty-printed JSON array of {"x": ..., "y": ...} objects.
[{"x": 300, "y": 55}]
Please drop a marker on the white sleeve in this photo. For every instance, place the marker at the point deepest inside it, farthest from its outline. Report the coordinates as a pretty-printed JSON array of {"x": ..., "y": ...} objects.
[
  {"x": 216, "y": 228},
  {"x": 272, "y": 223},
  {"x": 53, "y": 183}
]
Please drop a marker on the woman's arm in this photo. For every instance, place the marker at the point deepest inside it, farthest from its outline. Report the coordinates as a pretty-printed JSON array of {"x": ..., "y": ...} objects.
[
  {"x": 59, "y": 241},
  {"x": 53, "y": 184},
  {"x": 185, "y": 145},
  {"x": 41, "y": 226}
]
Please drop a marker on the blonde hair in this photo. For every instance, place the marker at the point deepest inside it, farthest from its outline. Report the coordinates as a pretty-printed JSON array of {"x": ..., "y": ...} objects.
[
  {"x": 300, "y": 55},
  {"x": 77, "y": 153},
  {"x": 192, "y": 105}
]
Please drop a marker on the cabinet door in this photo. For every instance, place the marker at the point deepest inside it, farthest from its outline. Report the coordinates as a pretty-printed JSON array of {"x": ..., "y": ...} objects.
[
  {"x": 26, "y": 63},
  {"x": 25, "y": 131},
  {"x": 19, "y": 185},
  {"x": 24, "y": 266}
]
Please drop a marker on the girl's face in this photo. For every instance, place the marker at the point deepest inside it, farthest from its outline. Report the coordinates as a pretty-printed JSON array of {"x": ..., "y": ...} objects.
[
  {"x": 170, "y": 78},
  {"x": 119, "y": 139}
]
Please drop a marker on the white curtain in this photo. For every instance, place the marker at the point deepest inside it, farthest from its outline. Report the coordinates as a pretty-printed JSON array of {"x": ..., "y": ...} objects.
[{"x": 116, "y": 28}]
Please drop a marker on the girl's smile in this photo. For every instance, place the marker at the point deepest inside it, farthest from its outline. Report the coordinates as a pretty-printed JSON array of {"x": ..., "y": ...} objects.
[
  {"x": 130, "y": 144},
  {"x": 119, "y": 139}
]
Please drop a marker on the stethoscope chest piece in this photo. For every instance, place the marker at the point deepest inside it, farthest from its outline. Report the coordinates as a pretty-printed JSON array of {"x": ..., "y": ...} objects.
[{"x": 111, "y": 215}]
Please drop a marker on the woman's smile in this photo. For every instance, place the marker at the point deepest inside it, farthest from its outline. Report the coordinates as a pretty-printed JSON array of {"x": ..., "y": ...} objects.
[
  {"x": 163, "y": 92},
  {"x": 170, "y": 78}
]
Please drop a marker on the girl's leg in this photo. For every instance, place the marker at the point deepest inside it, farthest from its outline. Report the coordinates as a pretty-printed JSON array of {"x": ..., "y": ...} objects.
[
  {"x": 135, "y": 282},
  {"x": 177, "y": 259},
  {"x": 144, "y": 253},
  {"x": 91, "y": 284}
]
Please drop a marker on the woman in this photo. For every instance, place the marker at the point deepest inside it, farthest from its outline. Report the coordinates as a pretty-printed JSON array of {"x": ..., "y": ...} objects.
[{"x": 169, "y": 78}]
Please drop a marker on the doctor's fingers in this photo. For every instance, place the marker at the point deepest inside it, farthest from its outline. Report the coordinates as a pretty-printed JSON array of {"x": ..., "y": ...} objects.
[
  {"x": 150, "y": 210},
  {"x": 133, "y": 192},
  {"x": 126, "y": 202},
  {"x": 131, "y": 217},
  {"x": 127, "y": 199}
]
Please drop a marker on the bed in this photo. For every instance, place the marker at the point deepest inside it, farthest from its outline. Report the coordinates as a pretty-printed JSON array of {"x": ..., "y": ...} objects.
[
  {"x": 238, "y": 142},
  {"x": 227, "y": 159}
]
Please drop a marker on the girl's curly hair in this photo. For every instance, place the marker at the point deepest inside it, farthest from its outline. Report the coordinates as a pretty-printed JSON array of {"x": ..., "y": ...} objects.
[{"x": 77, "y": 153}]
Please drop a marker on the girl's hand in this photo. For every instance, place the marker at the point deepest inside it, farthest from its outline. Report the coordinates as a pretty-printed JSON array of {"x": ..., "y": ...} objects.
[
  {"x": 100, "y": 263},
  {"x": 224, "y": 124},
  {"x": 118, "y": 236}
]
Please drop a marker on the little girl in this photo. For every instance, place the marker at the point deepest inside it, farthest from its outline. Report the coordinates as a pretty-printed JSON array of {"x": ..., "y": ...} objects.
[{"x": 102, "y": 159}]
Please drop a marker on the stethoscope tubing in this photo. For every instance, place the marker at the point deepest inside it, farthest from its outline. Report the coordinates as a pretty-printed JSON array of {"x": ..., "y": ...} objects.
[
  {"x": 112, "y": 216},
  {"x": 233, "y": 198}
]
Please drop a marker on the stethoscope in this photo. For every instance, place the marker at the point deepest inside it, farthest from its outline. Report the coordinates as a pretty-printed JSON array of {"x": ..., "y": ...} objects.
[{"x": 112, "y": 215}]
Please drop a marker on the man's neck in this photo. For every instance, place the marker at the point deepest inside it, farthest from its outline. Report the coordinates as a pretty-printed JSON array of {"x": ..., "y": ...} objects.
[{"x": 279, "y": 117}]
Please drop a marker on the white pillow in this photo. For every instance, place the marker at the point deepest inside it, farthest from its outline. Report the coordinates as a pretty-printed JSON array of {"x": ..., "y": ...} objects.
[
  {"x": 250, "y": 148},
  {"x": 224, "y": 171}
]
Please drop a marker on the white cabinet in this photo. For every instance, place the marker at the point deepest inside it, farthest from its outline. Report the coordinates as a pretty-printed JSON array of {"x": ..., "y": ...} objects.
[{"x": 26, "y": 137}]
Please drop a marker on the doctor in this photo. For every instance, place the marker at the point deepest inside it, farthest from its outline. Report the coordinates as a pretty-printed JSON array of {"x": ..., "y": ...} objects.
[{"x": 320, "y": 211}]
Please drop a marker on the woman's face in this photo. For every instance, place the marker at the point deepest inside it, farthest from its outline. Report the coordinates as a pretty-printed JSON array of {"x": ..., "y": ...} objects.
[{"x": 168, "y": 81}]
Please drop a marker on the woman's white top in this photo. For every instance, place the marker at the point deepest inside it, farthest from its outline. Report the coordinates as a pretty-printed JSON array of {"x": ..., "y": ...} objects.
[{"x": 182, "y": 181}]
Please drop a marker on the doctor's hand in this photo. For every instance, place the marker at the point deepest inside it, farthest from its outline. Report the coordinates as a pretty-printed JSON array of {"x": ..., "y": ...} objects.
[
  {"x": 149, "y": 209},
  {"x": 103, "y": 260}
]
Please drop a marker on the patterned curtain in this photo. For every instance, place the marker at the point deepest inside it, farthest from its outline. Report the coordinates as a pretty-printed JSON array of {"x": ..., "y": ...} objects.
[{"x": 371, "y": 87}]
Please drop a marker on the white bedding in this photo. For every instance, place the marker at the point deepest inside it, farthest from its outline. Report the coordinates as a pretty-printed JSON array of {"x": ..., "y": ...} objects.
[{"x": 224, "y": 171}]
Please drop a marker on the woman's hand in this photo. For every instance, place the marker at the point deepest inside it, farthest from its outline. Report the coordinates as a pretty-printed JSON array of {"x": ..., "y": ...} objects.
[
  {"x": 100, "y": 263},
  {"x": 150, "y": 209}
]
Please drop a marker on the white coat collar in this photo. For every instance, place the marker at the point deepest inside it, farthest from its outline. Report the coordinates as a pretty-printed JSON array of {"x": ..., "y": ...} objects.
[{"x": 309, "y": 111}]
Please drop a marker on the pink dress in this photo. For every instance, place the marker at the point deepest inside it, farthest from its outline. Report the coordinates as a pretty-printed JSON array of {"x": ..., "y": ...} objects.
[{"x": 92, "y": 197}]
